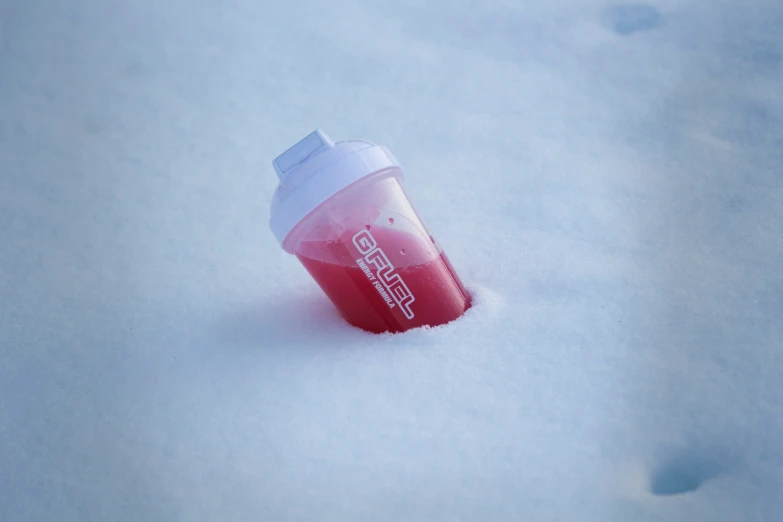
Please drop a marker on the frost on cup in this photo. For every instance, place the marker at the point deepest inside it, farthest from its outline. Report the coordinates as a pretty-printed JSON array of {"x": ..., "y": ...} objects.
[{"x": 342, "y": 210}]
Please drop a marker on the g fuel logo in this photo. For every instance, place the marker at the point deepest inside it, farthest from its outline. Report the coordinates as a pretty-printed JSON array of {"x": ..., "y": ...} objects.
[{"x": 389, "y": 284}]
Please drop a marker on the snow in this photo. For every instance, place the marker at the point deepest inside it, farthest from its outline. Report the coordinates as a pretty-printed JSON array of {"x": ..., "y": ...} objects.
[{"x": 605, "y": 177}]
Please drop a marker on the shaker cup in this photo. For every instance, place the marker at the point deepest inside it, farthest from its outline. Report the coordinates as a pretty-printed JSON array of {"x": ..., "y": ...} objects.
[{"x": 342, "y": 210}]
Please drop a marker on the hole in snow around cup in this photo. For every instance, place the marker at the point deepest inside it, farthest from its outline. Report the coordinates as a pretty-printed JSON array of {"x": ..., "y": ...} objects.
[{"x": 391, "y": 221}]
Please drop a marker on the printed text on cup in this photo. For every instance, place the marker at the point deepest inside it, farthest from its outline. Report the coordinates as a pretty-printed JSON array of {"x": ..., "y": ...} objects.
[{"x": 391, "y": 284}]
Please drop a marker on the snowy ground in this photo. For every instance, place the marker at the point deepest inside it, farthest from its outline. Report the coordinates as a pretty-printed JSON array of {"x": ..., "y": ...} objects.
[{"x": 606, "y": 177}]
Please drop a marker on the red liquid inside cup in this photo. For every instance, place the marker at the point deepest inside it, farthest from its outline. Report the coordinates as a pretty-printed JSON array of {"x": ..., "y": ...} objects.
[{"x": 364, "y": 296}]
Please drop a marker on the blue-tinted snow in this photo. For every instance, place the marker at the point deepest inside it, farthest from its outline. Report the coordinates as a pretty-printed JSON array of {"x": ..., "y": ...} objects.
[{"x": 605, "y": 176}]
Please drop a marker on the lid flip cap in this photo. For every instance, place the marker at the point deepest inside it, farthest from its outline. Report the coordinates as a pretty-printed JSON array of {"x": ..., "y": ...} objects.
[{"x": 315, "y": 169}]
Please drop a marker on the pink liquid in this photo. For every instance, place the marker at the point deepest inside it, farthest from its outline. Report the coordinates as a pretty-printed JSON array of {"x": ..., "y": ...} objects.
[{"x": 438, "y": 295}]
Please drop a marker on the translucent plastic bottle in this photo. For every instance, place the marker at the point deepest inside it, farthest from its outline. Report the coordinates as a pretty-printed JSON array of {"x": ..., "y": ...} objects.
[{"x": 343, "y": 211}]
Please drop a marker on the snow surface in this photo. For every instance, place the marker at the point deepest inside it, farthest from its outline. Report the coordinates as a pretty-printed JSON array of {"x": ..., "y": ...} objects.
[{"x": 606, "y": 178}]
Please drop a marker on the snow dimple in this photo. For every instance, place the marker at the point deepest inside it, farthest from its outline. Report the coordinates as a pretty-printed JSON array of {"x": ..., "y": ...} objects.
[
  {"x": 626, "y": 19},
  {"x": 688, "y": 470}
]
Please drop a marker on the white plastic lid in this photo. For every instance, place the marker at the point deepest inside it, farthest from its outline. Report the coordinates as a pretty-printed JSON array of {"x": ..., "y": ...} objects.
[{"x": 316, "y": 169}]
